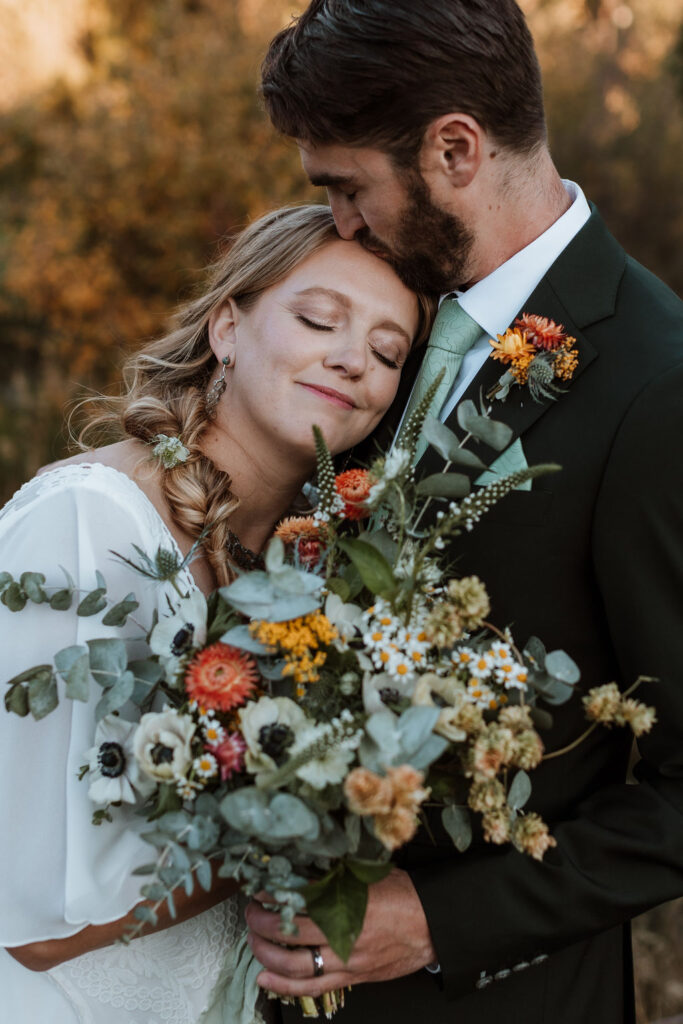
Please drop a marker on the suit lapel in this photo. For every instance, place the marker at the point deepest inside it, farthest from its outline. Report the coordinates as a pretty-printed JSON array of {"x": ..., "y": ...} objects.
[{"x": 578, "y": 290}]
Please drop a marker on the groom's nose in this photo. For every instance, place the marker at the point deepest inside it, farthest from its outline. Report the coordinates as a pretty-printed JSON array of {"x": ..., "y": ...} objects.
[{"x": 346, "y": 215}]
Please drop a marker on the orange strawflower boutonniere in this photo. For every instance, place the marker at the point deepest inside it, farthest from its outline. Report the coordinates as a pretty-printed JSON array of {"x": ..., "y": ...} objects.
[{"x": 537, "y": 352}]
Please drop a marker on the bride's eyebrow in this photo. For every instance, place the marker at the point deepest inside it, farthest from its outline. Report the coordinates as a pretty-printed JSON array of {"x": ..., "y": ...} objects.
[{"x": 329, "y": 293}]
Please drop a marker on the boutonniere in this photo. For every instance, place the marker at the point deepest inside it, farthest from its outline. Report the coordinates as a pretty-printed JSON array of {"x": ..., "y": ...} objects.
[{"x": 537, "y": 352}]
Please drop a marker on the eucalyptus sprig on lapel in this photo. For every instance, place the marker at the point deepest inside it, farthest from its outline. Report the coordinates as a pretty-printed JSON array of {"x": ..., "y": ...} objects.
[{"x": 537, "y": 352}]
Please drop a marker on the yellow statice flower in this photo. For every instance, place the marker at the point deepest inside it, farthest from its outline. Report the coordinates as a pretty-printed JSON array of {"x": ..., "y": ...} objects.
[{"x": 300, "y": 642}]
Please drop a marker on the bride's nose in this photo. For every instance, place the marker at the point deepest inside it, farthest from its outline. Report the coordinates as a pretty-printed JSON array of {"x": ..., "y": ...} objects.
[{"x": 349, "y": 356}]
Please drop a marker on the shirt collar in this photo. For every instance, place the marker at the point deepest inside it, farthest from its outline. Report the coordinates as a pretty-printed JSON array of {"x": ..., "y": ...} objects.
[{"x": 496, "y": 300}]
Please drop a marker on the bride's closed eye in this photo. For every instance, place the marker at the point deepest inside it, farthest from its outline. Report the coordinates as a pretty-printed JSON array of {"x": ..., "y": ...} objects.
[{"x": 316, "y": 325}]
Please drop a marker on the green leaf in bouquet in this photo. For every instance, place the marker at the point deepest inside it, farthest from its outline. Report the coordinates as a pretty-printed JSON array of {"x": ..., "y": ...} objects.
[
  {"x": 350, "y": 574},
  {"x": 380, "y": 743},
  {"x": 285, "y": 608},
  {"x": 519, "y": 791},
  {"x": 29, "y": 673},
  {"x": 552, "y": 690},
  {"x": 144, "y": 869},
  {"x": 352, "y": 829},
  {"x": 493, "y": 433},
  {"x": 368, "y": 871},
  {"x": 108, "y": 659},
  {"x": 179, "y": 857},
  {"x": 337, "y": 904},
  {"x": 202, "y": 833},
  {"x": 384, "y": 542},
  {"x": 16, "y": 700},
  {"x": 118, "y": 614},
  {"x": 154, "y": 891},
  {"x": 456, "y": 821},
  {"x": 42, "y": 694},
  {"x": 240, "y": 636},
  {"x": 92, "y": 603},
  {"x": 541, "y": 718},
  {"x": 188, "y": 883},
  {"x": 560, "y": 666},
  {"x": 444, "y": 485},
  {"x": 5, "y": 579},
  {"x": 271, "y": 670},
  {"x": 430, "y": 751},
  {"x": 339, "y": 586},
  {"x": 14, "y": 598},
  {"x": 73, "y": 665},
  {"x": 173, "y": 821},
  {"x": 372, "y": 566},
  {"x": 115, "y": 696},
  {"x": 32, "y": 585}
]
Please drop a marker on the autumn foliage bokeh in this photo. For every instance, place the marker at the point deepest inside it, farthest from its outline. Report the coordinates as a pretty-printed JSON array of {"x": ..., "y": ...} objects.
[{"x": 118, "y": 184}]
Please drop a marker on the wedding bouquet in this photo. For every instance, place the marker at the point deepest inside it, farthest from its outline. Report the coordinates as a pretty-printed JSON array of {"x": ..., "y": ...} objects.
[{"x": 292, "y": 727}]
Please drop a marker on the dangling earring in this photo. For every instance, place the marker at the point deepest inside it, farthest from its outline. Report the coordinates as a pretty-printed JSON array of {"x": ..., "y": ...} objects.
[{"x": 213, "y": 395}]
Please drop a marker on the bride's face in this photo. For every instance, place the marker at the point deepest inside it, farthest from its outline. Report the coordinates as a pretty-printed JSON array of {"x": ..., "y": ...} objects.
[{"x": 324, "y": 346}]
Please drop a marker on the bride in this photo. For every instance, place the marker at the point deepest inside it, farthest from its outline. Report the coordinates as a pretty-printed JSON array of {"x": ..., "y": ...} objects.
[{"x": 296, "y": 327}]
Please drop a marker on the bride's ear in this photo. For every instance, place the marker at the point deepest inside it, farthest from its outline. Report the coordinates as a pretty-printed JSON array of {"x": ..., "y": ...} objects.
[{"x": 222, "y": 335}]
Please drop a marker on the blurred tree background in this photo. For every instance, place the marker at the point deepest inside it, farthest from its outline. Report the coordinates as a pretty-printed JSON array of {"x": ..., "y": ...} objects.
[{"x": 132, "y": 144}]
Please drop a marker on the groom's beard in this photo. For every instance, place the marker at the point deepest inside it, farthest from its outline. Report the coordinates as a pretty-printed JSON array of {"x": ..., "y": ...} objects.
[{"x": 431, "y": 250}]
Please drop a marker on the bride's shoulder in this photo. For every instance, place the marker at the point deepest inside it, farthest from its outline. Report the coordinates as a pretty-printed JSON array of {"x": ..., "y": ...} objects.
[{"x": 119, "y": 473}]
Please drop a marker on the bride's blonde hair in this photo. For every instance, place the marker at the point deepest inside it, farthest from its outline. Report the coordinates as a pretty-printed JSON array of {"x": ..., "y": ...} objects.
[{"x": 165, "y": 383}]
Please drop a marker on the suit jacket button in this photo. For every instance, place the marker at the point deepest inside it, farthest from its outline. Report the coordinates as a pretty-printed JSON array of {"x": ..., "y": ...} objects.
[
  {"x": 505, "y": 973},
  {"x": 485, "y": 980},
  {"x": 539, "y": 959},
  {"x": 521, "y": 966}
]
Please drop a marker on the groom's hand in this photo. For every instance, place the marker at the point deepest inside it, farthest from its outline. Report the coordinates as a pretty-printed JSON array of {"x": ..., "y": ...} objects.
[{"x": 395, "y": 940}]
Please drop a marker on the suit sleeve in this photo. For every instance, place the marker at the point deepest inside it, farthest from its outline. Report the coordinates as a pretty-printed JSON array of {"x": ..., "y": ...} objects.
[{"x": 623, "y": 852}]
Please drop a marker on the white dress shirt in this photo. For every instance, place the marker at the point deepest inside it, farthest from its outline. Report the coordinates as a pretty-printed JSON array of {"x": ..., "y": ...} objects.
[{"x": 497, "y": 299}]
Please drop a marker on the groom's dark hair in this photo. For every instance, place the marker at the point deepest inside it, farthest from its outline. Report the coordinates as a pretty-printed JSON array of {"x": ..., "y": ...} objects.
[{"x": 377, "y": 72}]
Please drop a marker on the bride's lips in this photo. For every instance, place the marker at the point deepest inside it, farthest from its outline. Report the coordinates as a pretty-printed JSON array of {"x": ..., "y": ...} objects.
[{"x": 336, "y": 397}]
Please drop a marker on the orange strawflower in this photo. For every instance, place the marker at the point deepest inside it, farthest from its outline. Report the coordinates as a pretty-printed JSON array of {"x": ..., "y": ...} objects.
[
  {"x": 541, "y": 332},
  {"x": 511, "y": 346},
  {"x": 221, "y": 677},
  {"x": 354, "y": 487},
  {"x": 302, "y": 533}
]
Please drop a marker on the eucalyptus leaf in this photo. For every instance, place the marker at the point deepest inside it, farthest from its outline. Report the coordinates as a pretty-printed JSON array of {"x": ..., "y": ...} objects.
[
  {"x": 534, "y": 651},
  {"x": 108, "y": 659},
  {"x": 29, "y": 673},
  {"x": 444, "y": 485},
  {"x": 114, "y": 697},
  {"x": 495, "y": 434},
  {"x": 559, "y": 665},
  {"x": 372, "y": 566},
  {"x": 14, "y": 597},
  {"x": 92, "y": 603},
  {"x": 441, "y": 438},
  {"x": 337, "y": 905},
  {"x": 181, "y": 860},
  {"x": 145, "y": 914},
  {"x": 150, "y": 671},
  {"x": 154, "y": 891},
  {"x": 275, "y": 555},
  {"x": 456, "y": 821},
  {"x": 383, "y": 541},
  {"x": 415, "y": 727},
  {"x": 541, "y": 718},
  {"x": 62, "y": 600},
  {"x": 519, "y": 791},
  {"x": 204, "y": 874},
  {"x": 240, "y": 636},
  {"x": 16, "y": 700},
  {"x": 73, "y": 665},
  {"x": 42, "y": 694},
  {"x": 32, "y": 585},
  {"x": 432, "y": 749},
  {"x": 5, "y": 579},
  {"x": 118, "y": 614},
  {"x": 553, "y": 691}
]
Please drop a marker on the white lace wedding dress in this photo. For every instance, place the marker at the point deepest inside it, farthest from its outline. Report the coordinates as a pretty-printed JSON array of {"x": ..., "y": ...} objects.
[{"x": 58, "y": 872}]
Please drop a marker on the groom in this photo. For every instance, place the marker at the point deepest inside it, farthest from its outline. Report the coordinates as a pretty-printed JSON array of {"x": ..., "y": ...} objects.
[{"x": 425, "y": 122}]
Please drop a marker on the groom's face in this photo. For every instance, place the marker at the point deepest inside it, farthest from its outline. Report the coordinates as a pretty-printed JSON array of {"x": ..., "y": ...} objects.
[{"x": 392, "y": 213}]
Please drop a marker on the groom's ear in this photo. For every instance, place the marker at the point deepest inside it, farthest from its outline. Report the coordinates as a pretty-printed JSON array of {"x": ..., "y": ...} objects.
[
  {"x": 222, "y": 334},
  {"x": 453, "y": 147}
]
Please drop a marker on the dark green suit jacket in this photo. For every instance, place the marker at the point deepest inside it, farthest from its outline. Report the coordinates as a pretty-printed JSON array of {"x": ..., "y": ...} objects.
[{"x": 590, "y": 560}]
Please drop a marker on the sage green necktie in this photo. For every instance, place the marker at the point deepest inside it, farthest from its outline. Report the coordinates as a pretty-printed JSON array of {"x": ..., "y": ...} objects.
[{"x": 454, "y": 332}]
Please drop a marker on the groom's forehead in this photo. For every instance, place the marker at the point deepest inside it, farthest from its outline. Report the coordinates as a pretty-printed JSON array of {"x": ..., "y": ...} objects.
[{"x": 335, "y": 165}]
